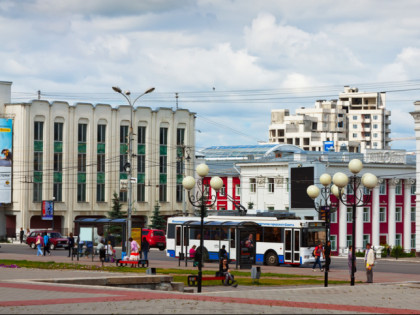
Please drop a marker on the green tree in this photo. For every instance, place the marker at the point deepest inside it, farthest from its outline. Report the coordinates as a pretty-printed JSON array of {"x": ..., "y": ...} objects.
[
  {"x": 116, "y": 213},
  {"x": 250, "y": 205},
  {"x": 158, "y": 222}
]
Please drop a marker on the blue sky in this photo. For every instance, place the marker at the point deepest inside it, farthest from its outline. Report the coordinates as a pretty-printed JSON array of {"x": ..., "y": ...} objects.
[{"x": 231, "y": 62}]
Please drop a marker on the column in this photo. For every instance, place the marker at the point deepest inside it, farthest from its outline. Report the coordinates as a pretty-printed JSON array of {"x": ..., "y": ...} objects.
[
  {"x": 416, "y": 116},
  {"x": 407, "y": 215},
  {"x": 375, "y": 217},
  {"x": 342, "y": 228},
  {"x": 359, "y": 223},
  {"x": 230, "y": 192},
  {"x": 391, "y": 211}
]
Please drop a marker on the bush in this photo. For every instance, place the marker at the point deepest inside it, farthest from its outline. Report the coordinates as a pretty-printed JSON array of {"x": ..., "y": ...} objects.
[
  {"x": 398, "y": 252},
  {"x": 360, "y": 254}
]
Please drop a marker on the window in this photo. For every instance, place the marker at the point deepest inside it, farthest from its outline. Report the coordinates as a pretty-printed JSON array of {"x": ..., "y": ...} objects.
[
  {"x": 413, "y": 241},
  {"x": 366, "y": 215},
  {"x": 375, "y": 144},
  {"x": 222, "y": 191},
  {"x": 163, "y": 137},
  {"x": 354, "y": 126},
  {"x": 101, "y": 133},
  {"x": 100, "y": 192},
  {"x": 398, "y": 188},
  {"x": 141, "y": 192},
  {"x": 141, "y": 164},
  {"x": 413, "y": 214},
  {"x": 37, "y": 187},
  {"x": 366, "y": 126},
  {"x": 349, "y": 215},
  {"x": 58, "y": 192},
  {"x": 100, "y": 163},
  {"x": 38, "y": 156},
  {"x": 81, "y": 163},
  {"x": 375, "y": 135},
  {"x": 398, "y": 240},
  {"x": 123, "y": 161},
  {"x": 163, "y": 164},
  {"x": 382, "y": 188},
  {"x": 349, "y": 189},
  {"x": 180, "y": 136},
  {"x": 82, "y": 133},
  {"x": 123, "y": 134},
  {"x": 375, "y": 126},
  {"x": 333, "y": 217},
  {"x": 162, "y": 192},
  {"x": 39, "y": 130},
  {"x": 253, "y": 185},
  {"x": 413, "y": 189},
  {"x": 81, "y": 192},
  {"x": 349, "y": 241},
  {"x": 367, "y": 134},
  {"x": 238, "y": 190},
  {"x": 179, "y": 192},
  {"x": 58, "y": 132},
  {"x": 141, "y": 135},
  {"x": 123, "y": 196},
  {"x": 333, "y": 240},
  {"x": 366, "y": 240},
  {"x": 398, "y": 214},
  {"x": 354, "y": 117},
  {"x": 366, "y": 116},
  {"x": 382, "y": 214},
  {"x": 287, "y": 185},
  {"x": 354, "y": 135},
  {"x": 271, "y": 185},
  {"x": 375, "y": 117}
]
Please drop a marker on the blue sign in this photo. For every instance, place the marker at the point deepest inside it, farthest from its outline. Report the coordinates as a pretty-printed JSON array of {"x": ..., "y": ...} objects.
[
  {"x": 47, "y": 210},
  {"x": 329, "y": 146}
]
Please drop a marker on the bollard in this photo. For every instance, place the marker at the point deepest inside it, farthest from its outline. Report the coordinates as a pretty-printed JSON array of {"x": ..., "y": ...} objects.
[
  {"x": 151, "y": 271},
  {"x": 255, "y": 274}
]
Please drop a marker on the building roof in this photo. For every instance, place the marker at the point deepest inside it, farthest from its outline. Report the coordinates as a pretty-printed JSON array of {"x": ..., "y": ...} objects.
[{"x": 245, "y": 152}]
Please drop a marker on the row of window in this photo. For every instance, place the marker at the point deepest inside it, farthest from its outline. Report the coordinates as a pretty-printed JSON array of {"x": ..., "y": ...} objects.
[
  {"x": 270, "y": 185},
  {"x": 101, "y": 162},
  {"x": 366, "y": 240},
  {"x": 366, "y": 116},
  {"x": 382, "y": 215}
]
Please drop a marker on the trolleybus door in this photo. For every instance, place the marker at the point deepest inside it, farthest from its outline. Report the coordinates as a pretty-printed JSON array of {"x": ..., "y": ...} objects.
[
  {"x": 288, "y": 246},
  {"x": 292, "y": 246},
  {"x": 178, "y": 240}
]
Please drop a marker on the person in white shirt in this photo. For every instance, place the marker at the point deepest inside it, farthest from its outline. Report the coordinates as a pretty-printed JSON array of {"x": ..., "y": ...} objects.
[{"x": 369, "y": 262}]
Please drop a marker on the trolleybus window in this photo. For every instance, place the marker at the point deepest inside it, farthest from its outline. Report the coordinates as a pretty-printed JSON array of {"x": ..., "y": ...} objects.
[
  {"x": 311, "y": 237},
  {"x": 272, "y": 234}
]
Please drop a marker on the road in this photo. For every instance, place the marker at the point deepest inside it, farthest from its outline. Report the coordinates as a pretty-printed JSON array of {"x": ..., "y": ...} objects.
[{"x": 338, "y": 263}]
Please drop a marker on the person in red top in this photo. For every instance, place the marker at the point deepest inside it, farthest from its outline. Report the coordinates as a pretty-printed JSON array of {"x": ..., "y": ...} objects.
[{"x": 317, "y": 252}]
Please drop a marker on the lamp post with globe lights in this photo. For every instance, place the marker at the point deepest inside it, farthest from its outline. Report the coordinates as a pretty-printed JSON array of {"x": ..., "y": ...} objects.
[
  {"x": 128, "y": 165},
  {"x": 323, "y": 207},
  {"x": 201, "y": 200},
  {"x": 341, "y": 180}
]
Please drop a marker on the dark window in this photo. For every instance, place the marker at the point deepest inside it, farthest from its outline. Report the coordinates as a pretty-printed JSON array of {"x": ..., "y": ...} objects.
[
  {"x": 38, "y": 130},
  {"x": 58, "y": 162},
  {"x": 123, "y": 161},
  {"x": 123, "y": 196},
  {"x": 171, "y": 230},
  {"x": 141, "y": 192},
  {"x": 58, "y": 191},
  {"x": 101, "y": 163},
  {"x": 37, "y": 192},
  {"x": 101, "y": 133},
  {"x": 81, "y": 192},
  {"x": 162, "y": 164},
  {"x": 100, "y": 192},
  {"x": 81, "y": 163},
  {"x": 163, "y": 138},
  {"x": 123, "y": 134},
  {"x": 180, "y": 136},
  {"x": 162, "y": 192},
  {"x": 179, "y": 192},
  {"x": 141, "y": 135},
  {"x": 273, "y": 234},
  {"x": 58, "y": 132},
  {"x": 82, "y": 136},
  {"x": 141, "y": 164},
  {"x": 38, "y": 157}
]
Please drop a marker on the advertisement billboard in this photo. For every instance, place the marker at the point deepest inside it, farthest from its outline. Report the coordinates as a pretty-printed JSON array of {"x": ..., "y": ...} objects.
[
  {"x": 329, "y": 146},
  {"x": 47, "y": 212},
  {"x": 301, "y": 178},
  {"x": 6, "y": 158}
]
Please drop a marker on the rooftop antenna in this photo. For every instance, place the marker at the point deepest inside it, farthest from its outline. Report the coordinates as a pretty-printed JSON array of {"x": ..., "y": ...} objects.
[
  {"x": 39, "y": 94},
  {"x": 176, "y": 97}
]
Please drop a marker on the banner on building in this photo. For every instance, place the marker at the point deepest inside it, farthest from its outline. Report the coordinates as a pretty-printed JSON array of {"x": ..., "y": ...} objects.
[
  {"x": 6, "y": 158},
  {"x": 47, "y": 212}
]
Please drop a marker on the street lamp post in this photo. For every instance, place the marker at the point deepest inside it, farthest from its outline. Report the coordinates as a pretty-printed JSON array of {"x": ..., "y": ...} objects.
[
  {"x": 200, "y": 200},
  {"x": 323, "y": 207},
  {"x": 128, "y": 166},
  {"x": 341, "y": 180}
]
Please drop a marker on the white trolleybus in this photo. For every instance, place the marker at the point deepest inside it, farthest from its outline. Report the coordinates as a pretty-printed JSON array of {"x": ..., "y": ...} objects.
[{"x": 273, "y": 241}]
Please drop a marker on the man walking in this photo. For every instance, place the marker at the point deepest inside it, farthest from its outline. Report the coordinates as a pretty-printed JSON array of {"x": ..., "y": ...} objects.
[
  {"x": 317, "y": 253},
  {"x": 369, "y": 262},
  {"x": 21, "y": 233},
  {"x": 46, "y": 244}
]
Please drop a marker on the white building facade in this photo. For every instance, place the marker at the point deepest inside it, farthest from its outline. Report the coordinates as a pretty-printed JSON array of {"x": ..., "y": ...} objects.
[
  {"x": 356, "y": 121},
  {"x": 75, "y": 155},
  {"x": 416, "y": 116}
]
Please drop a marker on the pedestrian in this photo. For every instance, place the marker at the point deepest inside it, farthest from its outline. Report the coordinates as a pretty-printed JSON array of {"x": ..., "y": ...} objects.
[
  {"x": 134, "y": 253},
  {"x": 369, "y": 262},
  {"x": 317, "y": 253},
  {"x": 192, "y": 252},
  {"x": 21, "y": 233},
  {"x": 71, "y": 244},
  {"x": 38, "y": 243},
  {"x": 388, "y": 251},
  {"x": 110, "y": 252},
  {"x": 327, "y": 255},
  {"x": 225, "y": 271},
  {"x": 102, "y": 251},
  {"x": 145, "y": 247},
  {"x": 46, "y": 244},
  {"x": 222, "y": 253}
]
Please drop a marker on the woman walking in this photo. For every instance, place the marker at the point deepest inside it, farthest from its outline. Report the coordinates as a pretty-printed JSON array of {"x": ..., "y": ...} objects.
[{"x": 38, "y": 244}]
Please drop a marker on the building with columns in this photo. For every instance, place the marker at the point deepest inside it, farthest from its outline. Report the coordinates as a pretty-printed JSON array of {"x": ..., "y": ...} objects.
[
  {"x": 274, "y": 184},
  {"x": 75, "y": 155}
]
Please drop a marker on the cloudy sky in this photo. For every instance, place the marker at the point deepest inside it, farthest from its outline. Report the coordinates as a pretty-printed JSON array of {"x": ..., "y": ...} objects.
[{"x": 230, "y": 61}]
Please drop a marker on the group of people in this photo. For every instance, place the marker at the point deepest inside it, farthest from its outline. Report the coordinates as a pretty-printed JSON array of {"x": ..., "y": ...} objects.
[
  {"x": 369, "y": 259},
  {"x": 42, "y": 243},
  {"x": 136, "y": 249}
]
